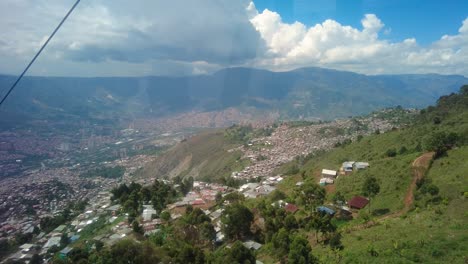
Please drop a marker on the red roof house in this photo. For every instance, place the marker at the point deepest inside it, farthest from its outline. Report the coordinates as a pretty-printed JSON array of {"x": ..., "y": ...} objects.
[
  {"x": 291, "y": 208},
  {"x": 358, "y": 202}
]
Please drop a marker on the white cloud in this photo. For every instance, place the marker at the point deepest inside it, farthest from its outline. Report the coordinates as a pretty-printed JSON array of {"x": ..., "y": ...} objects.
[
  {"x": 331, "y": 44},
  {"x": 217, "y": 32},
  {"x": 176, "y": 37}
]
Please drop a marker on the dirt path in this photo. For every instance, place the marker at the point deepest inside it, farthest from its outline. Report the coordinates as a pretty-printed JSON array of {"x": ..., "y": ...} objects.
[{"x": 419, "y": 168}]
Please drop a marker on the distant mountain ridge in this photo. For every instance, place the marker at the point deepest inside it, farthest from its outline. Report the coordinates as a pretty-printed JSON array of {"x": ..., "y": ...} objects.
[{"x": 301, "y": 93}]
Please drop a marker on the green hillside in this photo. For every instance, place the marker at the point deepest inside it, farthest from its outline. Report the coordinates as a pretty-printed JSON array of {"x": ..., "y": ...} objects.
[
  {"x": 434, "y": 230},
  {"x": 417, "y": 214},
  {"x": 205, "y": 156}
]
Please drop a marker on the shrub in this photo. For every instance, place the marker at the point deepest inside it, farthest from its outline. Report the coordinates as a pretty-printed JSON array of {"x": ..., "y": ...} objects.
[{"x": 391, "y": 152}]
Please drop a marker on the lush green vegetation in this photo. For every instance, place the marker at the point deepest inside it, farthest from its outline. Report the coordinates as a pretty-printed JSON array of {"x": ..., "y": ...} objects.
[
  {"x": 133, "y": 197},
  {"x": 433, "y": 230}
]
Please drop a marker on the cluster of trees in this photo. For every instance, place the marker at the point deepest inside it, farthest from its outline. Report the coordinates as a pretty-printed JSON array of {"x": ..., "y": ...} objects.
[
  {"x": 133, "y": 197},
  {"x": 105, "y": 172},
  {"x": 185, "y": 185},
  {"x": 238, "y": 133},
  {"x": 427, "y": 193},
  {"x": 195, "y": 227},
  {"x": 236, "y": 220},
  {"x": 440, "y": 142}
]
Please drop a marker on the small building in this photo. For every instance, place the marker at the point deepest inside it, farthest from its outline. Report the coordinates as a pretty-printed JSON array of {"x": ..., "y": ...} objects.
[
  {"x": 347, "y": 167},
  {"x": 219, "y": 237},
  {"x": 358, "y": 202},
  {"x": 328, "y": 173},
  {"x": 325, "y": 181},
  {"x": 53, "y": 241},
  {"x": 326, "y": 210},
  {"x": 252, "y": 245},
  {"x": 265, "y": 189},
  {"x": 64, "y": 252},
  {"x": 25, "y": 248},
  {"x": 361, "y": 165},
  {"x": 113, "y": 209},
  {"x": 60, "y": 228},
  {"x": 148, "y": 213},
  {"x": 74, "y": 238},
  {"x": 291, "y": 208}
]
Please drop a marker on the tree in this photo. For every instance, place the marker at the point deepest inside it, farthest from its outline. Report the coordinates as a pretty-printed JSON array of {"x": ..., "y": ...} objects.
[
  {"x": 129, "y": 251},
  {"x": 166, "y": 216},
  {"x": 300, "y": 251},
  {"x": 338, "y": 198},
  {"x": 36, "y": 259},
  {"x": 440, "y": 142},
  {"x": 240, "y": 254},
  {"x": 391, "y": 153},
  {"x": 335, "y": 241},
  {"x": 370, "y": 188},
  {"x": 290, "y": 222},
  {"x": 190, "y": 255},
  {"x": 64, "y": 240},
  {"x": 311, "y": 194},
  {"x": 277, "y": 195},
  {"x": 236, "y": 220},
  {"x": 137, "y": 228},
  {"x": 219, "y": 198},
  {"x": 321, "y": 222},
  {"x": 281, "y": 242},
  {"x": 99, "y": 245}
]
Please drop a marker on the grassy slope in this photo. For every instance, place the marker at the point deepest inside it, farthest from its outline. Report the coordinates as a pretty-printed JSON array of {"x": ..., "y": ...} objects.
[
  {"x": 202, "y": 156},
  {"x": 436, "y": 233}
]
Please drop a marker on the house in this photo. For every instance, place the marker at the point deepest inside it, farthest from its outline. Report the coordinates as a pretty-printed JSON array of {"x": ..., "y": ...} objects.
[
  {"x": 347, "y": 167},
  {"x": 358, "y": 202},
  {"x": 361, "y": 165},
  {"x": 113, "y": 209},
  {"x": 74, "y": 238},
  {"x": 53, "y": 241},
  {"x": 216, "y": 214},
  {"x": 59, "y": 229},
  {"x": 328, "y": 173},
  {"x": 219, "y": 237},
  {"x": 325, "y": 181},
  {"x": 64, "y": 252},
  {"x": 252, "y": 245},
  {"x": 326, "y": 210},
  {"x": 265, "y": 189},
  {"x": 198, "y": 201},
  {"x": 291, "y": 208},
  {"x": 148, "y": 213},
  {"x": 25, "y": 248}
]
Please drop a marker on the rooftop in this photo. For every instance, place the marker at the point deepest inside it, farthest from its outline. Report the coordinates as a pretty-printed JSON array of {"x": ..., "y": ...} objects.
[{"x": 358, "y": 202}]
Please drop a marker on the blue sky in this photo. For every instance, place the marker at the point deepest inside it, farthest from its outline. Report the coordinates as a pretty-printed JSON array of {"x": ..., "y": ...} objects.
[
  {"x": 185, "y": 37},
  {"x": 425, "y": 20}
]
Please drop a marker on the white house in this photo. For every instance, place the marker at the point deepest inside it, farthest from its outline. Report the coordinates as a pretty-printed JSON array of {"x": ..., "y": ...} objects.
[{"x": 328, "y": 173}]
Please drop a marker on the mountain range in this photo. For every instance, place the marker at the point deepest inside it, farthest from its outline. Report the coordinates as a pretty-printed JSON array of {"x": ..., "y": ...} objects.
[{"x": 305, "y": 93}]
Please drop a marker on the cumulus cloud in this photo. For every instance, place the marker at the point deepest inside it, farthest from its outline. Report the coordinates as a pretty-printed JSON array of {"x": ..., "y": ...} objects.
[
  {"x": 215, "y": 32},
  {"x": 331, "y": 44},
  {"x": 181, "y": 37}
]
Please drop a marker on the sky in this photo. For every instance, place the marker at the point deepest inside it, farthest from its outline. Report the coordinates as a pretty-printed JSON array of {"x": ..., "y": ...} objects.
[{"x": 187, "y": 37}]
